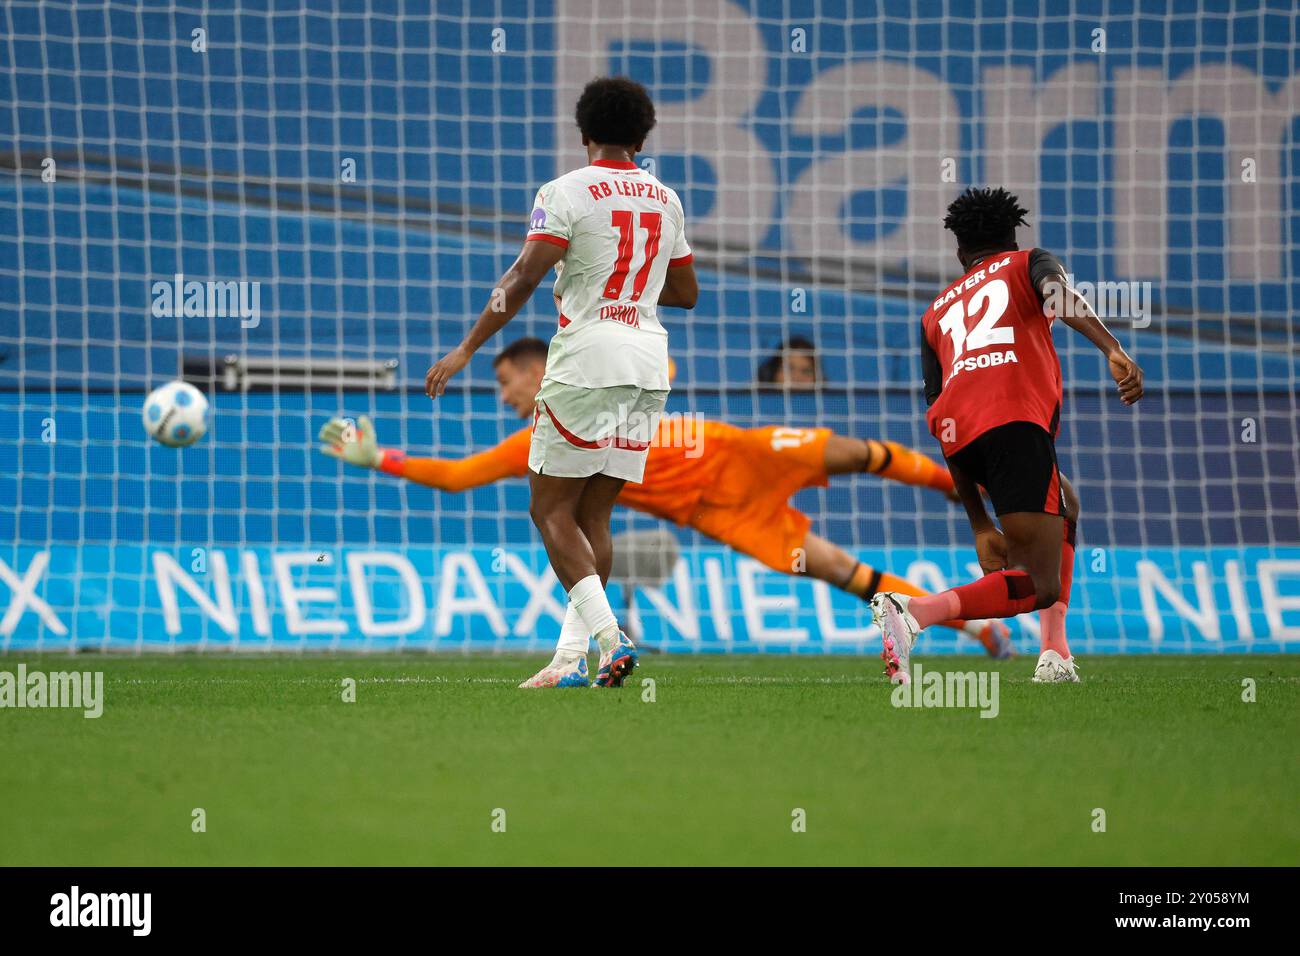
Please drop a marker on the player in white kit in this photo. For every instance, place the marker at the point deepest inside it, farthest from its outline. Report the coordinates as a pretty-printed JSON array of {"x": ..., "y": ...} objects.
[{"x": 616, "y": 238}]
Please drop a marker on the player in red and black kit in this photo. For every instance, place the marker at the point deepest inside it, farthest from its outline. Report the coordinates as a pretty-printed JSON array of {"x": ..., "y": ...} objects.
[{"x": 993, "y": 383}]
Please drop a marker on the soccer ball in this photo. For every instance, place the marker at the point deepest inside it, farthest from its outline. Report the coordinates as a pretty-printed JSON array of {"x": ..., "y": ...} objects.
[{"x": 176, "y": 414}]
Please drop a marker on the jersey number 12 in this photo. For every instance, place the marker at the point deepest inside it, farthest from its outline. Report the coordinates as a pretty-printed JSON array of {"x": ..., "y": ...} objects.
[{"x": 995, "y": 297}]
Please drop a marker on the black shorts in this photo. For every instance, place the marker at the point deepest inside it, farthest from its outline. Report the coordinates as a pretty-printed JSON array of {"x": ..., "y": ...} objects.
[{"x": 1016, "y": 464}]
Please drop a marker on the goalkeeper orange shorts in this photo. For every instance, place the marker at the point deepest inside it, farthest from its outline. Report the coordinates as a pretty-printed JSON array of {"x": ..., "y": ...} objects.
[{"x": 748, "y": 506}]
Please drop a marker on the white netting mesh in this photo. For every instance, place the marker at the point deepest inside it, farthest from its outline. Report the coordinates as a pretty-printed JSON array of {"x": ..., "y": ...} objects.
[{"x": 371, "y": 169}]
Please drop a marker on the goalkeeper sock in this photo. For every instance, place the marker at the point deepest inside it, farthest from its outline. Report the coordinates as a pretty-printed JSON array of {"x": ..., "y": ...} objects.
[
  {"x": 1051, "y": 621},
  {"x": 865, "y": 581},
  {"x": 589, "y": 600},
  {"x": 1000, "y": 594},
  {"x": 897, "y": 462},
  {"x": 574, "y": 637}
]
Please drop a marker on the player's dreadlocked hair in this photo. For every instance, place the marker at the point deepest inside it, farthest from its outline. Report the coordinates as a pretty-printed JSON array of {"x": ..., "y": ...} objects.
[
  {"x": 985, "y": 219},
  {"x": 615, "y": 111}
]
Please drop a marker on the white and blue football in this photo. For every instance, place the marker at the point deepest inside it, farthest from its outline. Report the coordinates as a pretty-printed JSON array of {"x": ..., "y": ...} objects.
[{"x": 176, "y": 414}]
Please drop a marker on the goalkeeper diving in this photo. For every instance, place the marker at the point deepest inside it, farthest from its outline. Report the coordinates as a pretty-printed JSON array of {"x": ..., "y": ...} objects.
[{"x": 730, "y": 484}]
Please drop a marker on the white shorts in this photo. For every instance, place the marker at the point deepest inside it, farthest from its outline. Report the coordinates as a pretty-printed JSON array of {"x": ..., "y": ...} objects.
[{"x": 580, "y": 432}]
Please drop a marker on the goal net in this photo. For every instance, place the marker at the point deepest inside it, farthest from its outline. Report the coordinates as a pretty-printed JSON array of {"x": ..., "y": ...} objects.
[{"x": 299, "y": 206}]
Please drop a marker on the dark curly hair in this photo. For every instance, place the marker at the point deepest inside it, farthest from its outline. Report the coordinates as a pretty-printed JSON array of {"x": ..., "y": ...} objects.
[
  {"x": 985, "y": 219},
  {"x": 615, "y": 111},
  {"x": 522, "y": 350}
]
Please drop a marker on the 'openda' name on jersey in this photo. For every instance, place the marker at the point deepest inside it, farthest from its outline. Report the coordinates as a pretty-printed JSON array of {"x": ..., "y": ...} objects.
[{"x": 627, "y": 314}]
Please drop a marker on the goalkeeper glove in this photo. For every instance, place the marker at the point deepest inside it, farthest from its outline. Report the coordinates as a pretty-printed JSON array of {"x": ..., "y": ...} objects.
[{"x": 354, "y": 444}]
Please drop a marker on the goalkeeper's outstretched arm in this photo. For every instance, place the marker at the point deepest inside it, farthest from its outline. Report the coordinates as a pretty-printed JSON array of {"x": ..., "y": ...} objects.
[{"x": 357, "y": 445}]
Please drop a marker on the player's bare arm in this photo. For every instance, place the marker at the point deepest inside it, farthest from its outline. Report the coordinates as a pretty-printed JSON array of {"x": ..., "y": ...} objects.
[
  {"x": 1079, "y": 315},
  {"x": 681, "y": 288},
  {"x": 514, "y": 288}
]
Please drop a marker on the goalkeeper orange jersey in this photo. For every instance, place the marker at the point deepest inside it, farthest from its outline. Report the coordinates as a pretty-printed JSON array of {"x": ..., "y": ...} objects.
[
  {"x": 732, "y": 484},
  {"x": 692, "y": 463}
]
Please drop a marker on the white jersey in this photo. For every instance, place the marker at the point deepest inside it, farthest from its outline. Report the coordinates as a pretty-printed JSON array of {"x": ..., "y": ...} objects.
[{"x": 621, "y": 229}]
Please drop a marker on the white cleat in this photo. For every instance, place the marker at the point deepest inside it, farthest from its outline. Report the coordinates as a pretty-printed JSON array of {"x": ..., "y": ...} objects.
[
  {"x": 898, "y": 632},
  {"x": 1054, "y": 669},
  {"x": 560, "y": 673}
]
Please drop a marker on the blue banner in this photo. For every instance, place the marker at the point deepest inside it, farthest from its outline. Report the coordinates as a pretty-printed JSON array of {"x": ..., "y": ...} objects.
[{"x": 134, "y": 597}]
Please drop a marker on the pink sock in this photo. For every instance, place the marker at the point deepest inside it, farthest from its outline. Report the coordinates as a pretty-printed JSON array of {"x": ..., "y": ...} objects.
[
  {"x": 1051, "y": 621},
  {"x": 932, "y": 608}
]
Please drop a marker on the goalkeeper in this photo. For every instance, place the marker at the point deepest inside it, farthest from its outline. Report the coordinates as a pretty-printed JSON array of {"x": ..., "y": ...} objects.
[{"x": 731, "y": 484}]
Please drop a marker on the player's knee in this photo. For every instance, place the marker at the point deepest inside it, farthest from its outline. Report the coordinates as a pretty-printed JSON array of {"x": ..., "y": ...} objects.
[
  {"x": 592, "y": 518},
  {"x": 1047, "y": 590},
  {"x": 593, "y": 528},
  {"x": 546, "y": 520},
  {"x": 590, "y": 514}
]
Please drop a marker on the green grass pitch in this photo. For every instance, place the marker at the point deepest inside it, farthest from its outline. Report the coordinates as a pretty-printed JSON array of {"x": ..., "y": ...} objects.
[{"x": 711, "y": 772}]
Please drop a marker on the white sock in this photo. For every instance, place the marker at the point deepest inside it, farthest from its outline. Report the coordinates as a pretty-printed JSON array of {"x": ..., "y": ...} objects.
[
  {"x": 589, "y": 600},
  {"x": 574, "y": 637}
]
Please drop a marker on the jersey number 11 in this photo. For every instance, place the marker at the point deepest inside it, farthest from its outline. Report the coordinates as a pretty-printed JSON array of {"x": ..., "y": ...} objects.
[{"x": 651, "y": 222}]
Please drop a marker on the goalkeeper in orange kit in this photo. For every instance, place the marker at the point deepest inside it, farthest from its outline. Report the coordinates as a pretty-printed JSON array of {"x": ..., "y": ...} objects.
[{"x": 731, "y": 484}]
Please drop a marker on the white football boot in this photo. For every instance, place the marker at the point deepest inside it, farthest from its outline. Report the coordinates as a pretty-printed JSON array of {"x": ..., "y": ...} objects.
[
  {"x": 1054, "y": 669},
  {"x": 898, "y": 632},
  {"x": 560, "y": 672}
]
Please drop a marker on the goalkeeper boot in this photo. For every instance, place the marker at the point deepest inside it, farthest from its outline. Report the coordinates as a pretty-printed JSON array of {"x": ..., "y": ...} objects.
[
  {"x": 616, "y": 662},
  {"x": 1054, "y": 669},
  {"x": 561, "y": 672},
  {"x": 898, "y": 632},
  {"x": 996, "y": 638}
]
